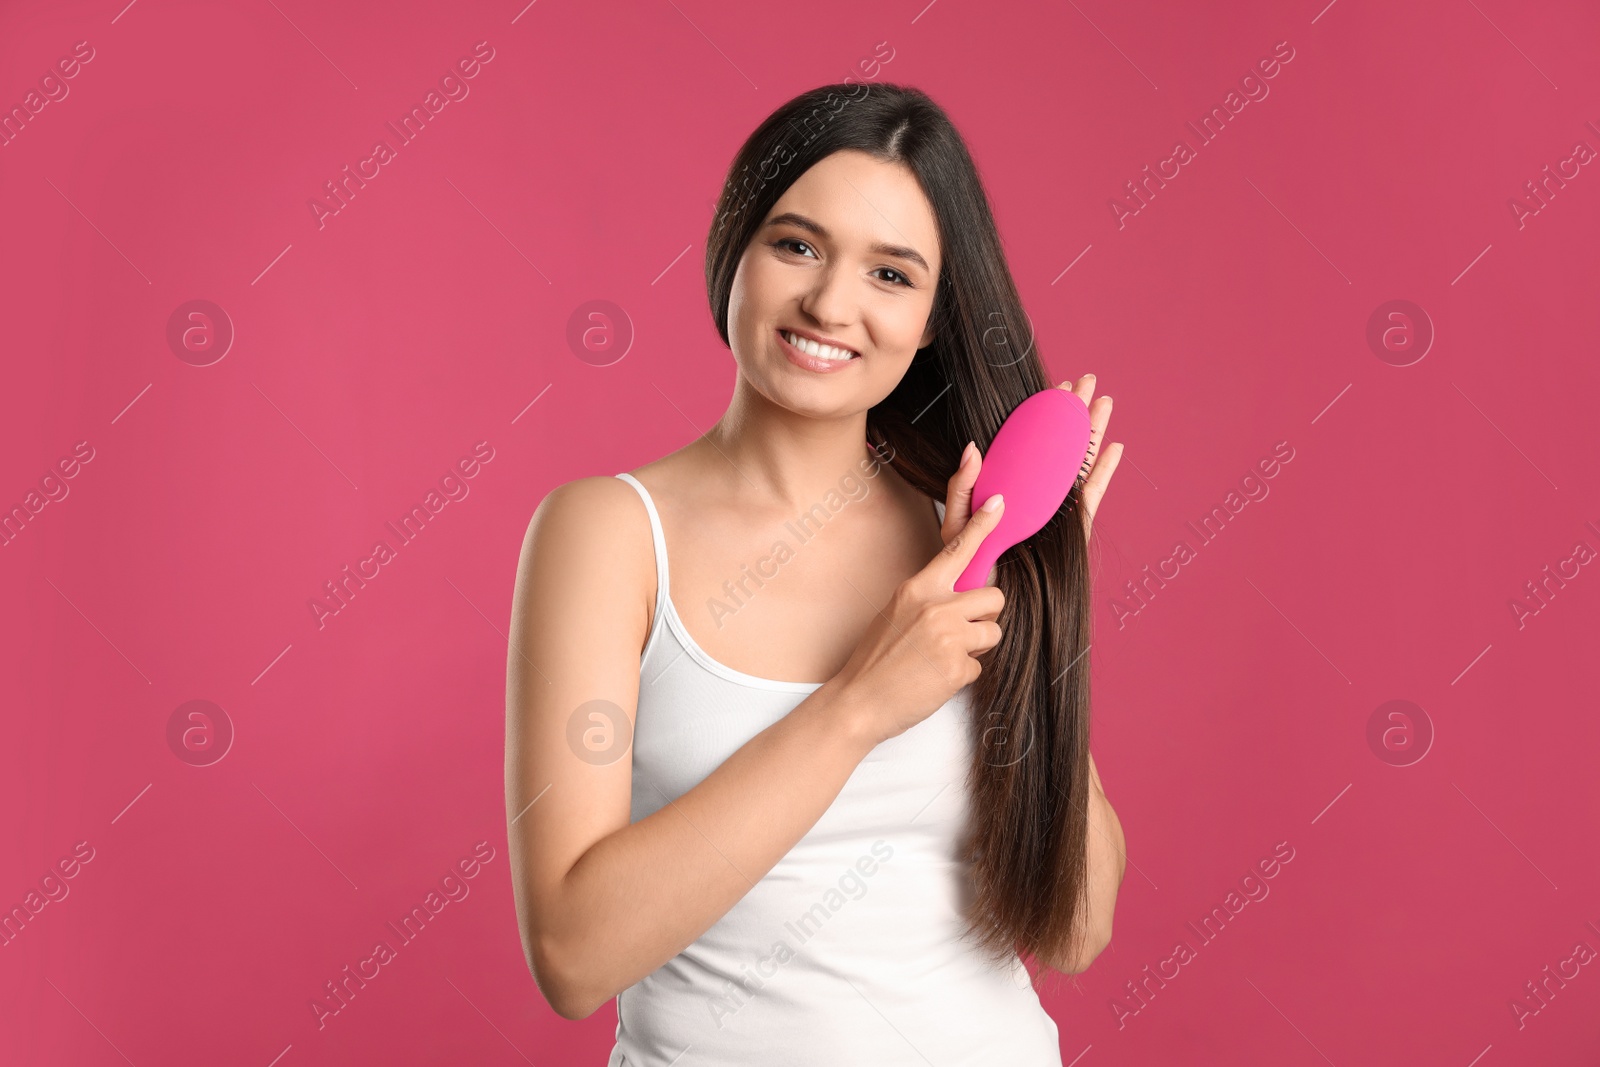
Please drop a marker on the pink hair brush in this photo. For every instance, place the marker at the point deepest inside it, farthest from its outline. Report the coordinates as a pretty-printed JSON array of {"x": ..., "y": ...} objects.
[{"x": 1034, "y": 461}]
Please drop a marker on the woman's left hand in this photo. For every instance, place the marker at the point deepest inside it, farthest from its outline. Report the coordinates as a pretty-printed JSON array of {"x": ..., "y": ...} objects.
[{"x": 1105, "y": 458}]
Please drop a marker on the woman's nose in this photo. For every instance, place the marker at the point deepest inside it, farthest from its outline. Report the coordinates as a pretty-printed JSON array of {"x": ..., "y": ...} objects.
[{"x": 828, "y": 301}]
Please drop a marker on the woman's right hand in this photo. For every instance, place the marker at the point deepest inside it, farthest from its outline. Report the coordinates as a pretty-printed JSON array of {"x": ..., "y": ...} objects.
[{"x": 920, "y": 650}]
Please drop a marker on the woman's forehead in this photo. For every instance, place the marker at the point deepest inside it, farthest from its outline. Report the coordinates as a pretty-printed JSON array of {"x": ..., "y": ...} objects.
[{"x": 850, "y": 198}]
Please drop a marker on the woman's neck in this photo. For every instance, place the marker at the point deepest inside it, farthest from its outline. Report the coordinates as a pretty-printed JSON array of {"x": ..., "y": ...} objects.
[{"x": 776, "y": 457}]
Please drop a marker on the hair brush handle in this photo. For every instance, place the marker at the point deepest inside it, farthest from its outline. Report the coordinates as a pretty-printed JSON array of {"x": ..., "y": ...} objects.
[{"x": 1034, "y": 461}]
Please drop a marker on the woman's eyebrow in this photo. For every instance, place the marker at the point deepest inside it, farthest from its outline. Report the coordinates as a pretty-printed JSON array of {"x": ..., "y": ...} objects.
[{"x": 794, "y": 218}]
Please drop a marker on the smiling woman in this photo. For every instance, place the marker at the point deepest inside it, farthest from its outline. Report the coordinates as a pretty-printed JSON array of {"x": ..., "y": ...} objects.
[
  {"x": 814, "y": 279},
  {"x": 862, "y": 292}
]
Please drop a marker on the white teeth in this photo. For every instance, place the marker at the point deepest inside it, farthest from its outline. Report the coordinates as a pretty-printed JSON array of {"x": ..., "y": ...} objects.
[{"x": 810, "y": 347}]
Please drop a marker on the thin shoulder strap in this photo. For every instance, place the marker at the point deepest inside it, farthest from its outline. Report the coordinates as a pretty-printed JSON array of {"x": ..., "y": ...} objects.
[{"x": 660, "y": 540}]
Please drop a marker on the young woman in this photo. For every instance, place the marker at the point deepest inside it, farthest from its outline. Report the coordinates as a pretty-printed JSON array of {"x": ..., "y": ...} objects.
[{"x": 792, "y": 800}]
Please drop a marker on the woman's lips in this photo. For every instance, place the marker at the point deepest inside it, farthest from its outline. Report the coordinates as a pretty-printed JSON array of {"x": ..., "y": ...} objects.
[{"x": 810, "y": 362}]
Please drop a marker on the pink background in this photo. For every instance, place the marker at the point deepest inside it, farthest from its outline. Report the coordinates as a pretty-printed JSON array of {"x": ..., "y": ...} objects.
[{"x": 431, "y": 313}]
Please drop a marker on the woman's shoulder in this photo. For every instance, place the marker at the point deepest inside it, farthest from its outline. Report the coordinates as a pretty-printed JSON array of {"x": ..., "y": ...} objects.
[
  {"x": 590, "y": 498},
  {"x": 589, "y": 542},
  {"x": 605, "y": 499},
  {"x": 590, "y": 523}
]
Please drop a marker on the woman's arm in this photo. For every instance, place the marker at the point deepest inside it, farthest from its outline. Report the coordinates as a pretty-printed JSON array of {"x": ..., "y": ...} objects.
[
  {"x": 1107, "y": 860},
  {"x": 601, "y": 903}
]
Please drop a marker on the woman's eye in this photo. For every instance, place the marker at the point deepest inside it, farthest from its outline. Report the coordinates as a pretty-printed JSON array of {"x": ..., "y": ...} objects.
[
  {"x": 785, "y": 242},
  {"x": 789, "y": 244}
]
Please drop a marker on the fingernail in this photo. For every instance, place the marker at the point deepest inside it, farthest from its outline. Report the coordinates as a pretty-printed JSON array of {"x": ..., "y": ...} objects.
[
  {"x": 994, "y": 503},
  {"x": 967, "y": 453}
]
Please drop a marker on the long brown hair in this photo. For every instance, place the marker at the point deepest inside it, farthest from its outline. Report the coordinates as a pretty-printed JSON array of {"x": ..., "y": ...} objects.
[{"x": 1029, "y": 778}]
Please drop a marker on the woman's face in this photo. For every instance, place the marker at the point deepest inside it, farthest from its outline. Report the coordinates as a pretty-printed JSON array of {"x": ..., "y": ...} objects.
[{"x": 848, "y": 254}]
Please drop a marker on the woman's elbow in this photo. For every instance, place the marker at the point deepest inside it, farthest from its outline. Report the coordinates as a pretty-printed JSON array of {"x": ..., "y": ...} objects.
[
  {"x": 1098, "y": 944},
  {"x": 573, "y": 1008},
  {"x": 561, "y": 984},
  {"x": 1086, "y": 952}
]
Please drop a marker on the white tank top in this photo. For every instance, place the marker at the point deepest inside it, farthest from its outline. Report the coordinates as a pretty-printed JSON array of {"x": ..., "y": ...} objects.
[{"x": 851, "y": 949}]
